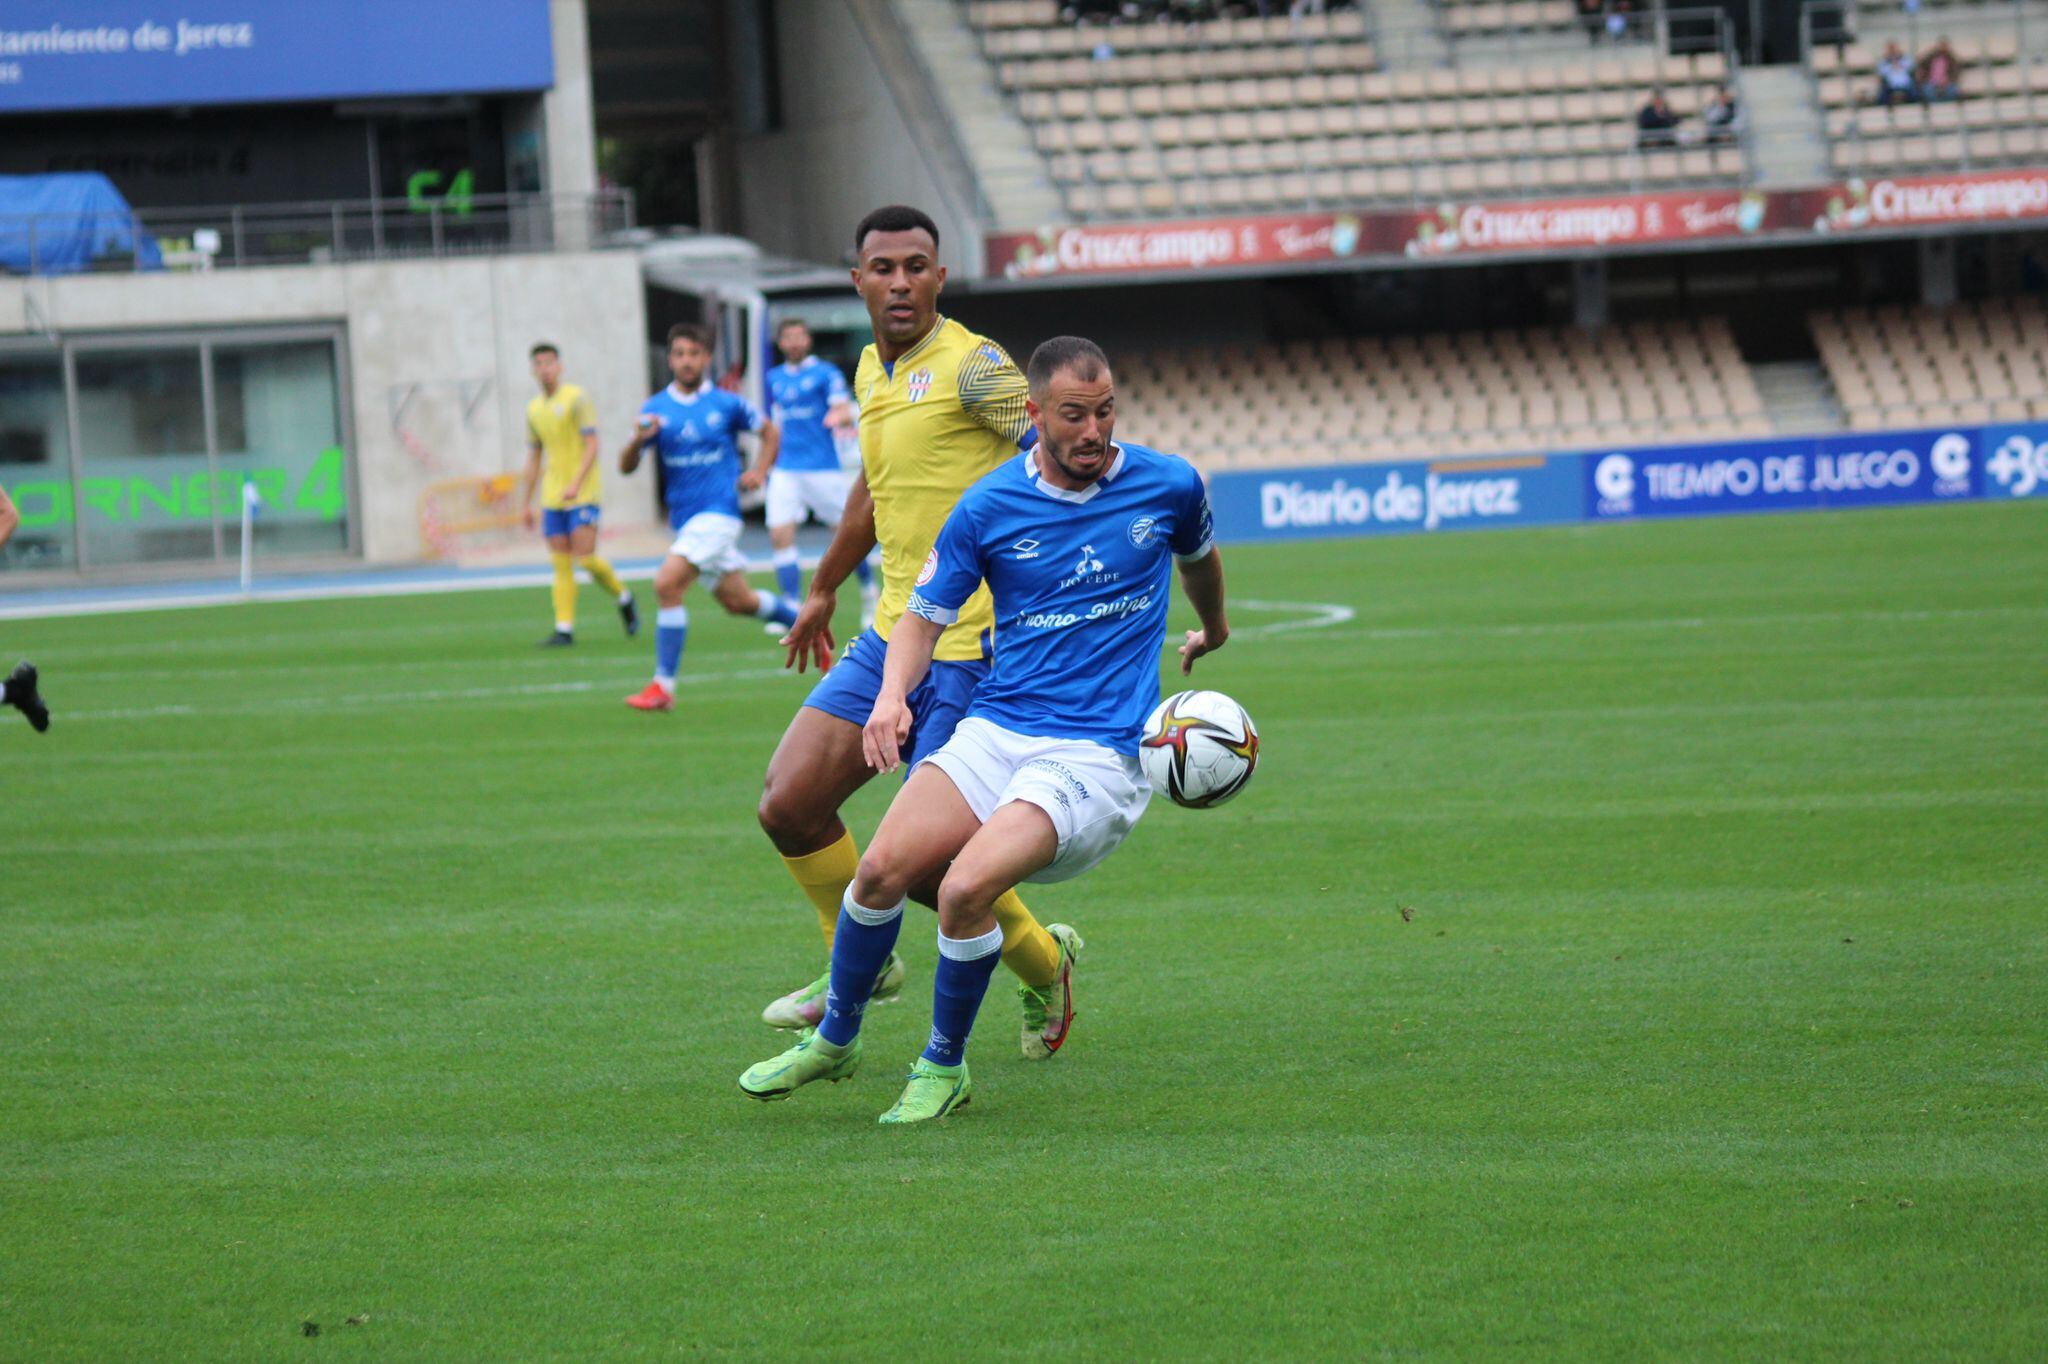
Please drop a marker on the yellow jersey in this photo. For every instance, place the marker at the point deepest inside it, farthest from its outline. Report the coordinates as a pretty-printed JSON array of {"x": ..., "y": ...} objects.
[
  {"x": 557, "y": 425},
  {"x": 948, "y": 411}
]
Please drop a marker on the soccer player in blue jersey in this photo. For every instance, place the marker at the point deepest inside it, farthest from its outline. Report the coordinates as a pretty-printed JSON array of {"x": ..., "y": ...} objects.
[
  {"x": 693, "y": 428},
  {"x": 1041, "y": 780},
  {"x": 810, "y": 401}
]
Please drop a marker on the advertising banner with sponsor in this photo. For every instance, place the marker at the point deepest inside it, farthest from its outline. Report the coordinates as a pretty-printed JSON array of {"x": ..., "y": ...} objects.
[
  {"x": 1781, "y": 475},
  {"x": 1532, "y": 226},
  {"x": 2015, "y": 461},
  {"x": 1813, "y": 473},
  {"x": 107, "y": 54},
  {"x": 1382, "y": 499}
]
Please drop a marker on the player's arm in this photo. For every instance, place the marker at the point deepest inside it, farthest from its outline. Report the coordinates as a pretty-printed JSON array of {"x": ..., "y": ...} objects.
[
  {"x": 1202, "y": 580},
  {"x": 1193, "y": 542},
  {"x": 644, "y": 430},
  {"x": 532, "y": 478},
  {"x": 839, "y": 416},
  {"x": 9, "y": 518},
  {"x": 992, "y": 392},
  {"x": 575, "y": 488},
  {"x": 911, "y": 645},
  {"x": 950, "y": 575},
  {"x": 771, "y": 446},
  {"x": 811, "y": 637}
]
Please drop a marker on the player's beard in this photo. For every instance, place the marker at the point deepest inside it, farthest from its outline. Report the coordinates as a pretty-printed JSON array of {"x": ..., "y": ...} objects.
[{"x": 1063, "y": 455}]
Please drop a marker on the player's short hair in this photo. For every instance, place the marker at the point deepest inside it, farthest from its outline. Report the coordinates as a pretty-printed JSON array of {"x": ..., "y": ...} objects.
[
  {"x": 690, "y": 331},
  {"x": 1061, "y": 353},
  {"x": 541, "y": 348},
  {"x": 895, "y": 218},
  {"x": 786, "y": 323}
]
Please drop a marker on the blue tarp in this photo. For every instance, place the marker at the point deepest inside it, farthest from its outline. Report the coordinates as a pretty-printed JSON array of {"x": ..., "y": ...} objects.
[{"x": 61, "y": 224}]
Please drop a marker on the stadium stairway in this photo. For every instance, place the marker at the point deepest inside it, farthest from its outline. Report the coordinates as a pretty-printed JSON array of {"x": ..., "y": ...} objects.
[
  {"x": 1011, "y": 171},
  {"x": 1788, "y": 139},
  {"x": 1797, "y": 397}
]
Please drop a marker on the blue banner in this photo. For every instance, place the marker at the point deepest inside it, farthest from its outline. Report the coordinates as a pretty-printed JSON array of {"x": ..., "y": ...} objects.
[
  {"x": 2016, "y": 461},
  {"x": 107, "y": 54},
  {"x": 1783, "y": 475},
  {"x": 1382, "y": 499},
  {"x": 1810, "y": 473}
]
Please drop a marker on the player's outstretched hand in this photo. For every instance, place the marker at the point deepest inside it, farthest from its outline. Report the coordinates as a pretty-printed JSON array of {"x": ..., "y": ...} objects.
[
  {"x": 752, "y": 479},
  {"x": 526, "y": 517},
  {"x": 810, "y": 639},
  {"x": 1198, "y": 644},
  {"x": 885, "y": 733}
]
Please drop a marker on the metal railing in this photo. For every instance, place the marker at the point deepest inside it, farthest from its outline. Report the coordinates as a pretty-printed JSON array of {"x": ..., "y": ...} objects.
[
  {"x": 240, "y": 235},
  {"x": 1835, "y": 23}
]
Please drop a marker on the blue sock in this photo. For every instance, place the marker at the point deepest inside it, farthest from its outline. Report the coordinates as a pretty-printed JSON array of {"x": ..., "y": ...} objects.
[
  {"x": 776, "y": 607},
  {"x": 965, "y": 965},
  {"x": 789, "y": 575},
  {"x": 865, "y": 572},
  {"x": 861, "y": 945},
  {"x": 671, "y": 627}
]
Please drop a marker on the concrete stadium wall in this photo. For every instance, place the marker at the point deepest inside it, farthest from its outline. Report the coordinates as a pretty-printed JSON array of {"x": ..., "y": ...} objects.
[
  {"x": 844, "y": 148},
  {"x": 430, "y": 337}
]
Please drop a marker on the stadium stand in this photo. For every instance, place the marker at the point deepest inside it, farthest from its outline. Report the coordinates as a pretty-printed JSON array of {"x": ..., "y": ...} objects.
[
  {"x": 1997, "y": 117},
  {"x": 1892, "y": 366},
  {"x": 1265, "y": 113},
  {"x": 1471, "y": 393}
]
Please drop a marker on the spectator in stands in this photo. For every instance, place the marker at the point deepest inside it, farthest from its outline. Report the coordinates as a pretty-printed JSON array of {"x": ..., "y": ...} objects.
[
  {"x": 1938, "y": 72},
  {"x": 1722, "y": 116},
  {"x": 1593, "y": 18},
  {"x": 1617, "y": 20},
  {"x": 1656, "y": 124},
  {"x": 1895, "y": 77}
]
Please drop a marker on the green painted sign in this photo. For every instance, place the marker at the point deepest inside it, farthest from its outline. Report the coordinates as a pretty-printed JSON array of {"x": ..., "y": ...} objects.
[{"x": 319, "y": 494}]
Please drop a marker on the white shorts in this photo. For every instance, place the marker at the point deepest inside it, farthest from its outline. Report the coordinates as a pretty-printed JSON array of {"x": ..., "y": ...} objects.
[
  {"x": 1093, "y": 794},
  {"x": 792, "y": 492},
  {"x": 711, "y": 541}
]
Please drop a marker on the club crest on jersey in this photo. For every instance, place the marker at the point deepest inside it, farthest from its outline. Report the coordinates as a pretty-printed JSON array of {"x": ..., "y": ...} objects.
[
  {"x": 1141, "y": 530},
  {"x": 918, "y": 384}
]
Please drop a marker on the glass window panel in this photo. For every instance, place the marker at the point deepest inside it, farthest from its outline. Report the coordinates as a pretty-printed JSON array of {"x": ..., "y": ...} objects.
[
  {"x": 277, "y": 420},
  {"x": 35, "y": 461},
  {"x": 145, "y": 493}
]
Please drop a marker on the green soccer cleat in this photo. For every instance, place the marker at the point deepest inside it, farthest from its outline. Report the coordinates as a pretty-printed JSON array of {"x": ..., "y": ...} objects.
[
  {"x": 933, "y": 1092},
  {"x": 805, "y": 1008},
  {"x": 812, "y": 1058},
  {"x": 1049, "y": 1012}
]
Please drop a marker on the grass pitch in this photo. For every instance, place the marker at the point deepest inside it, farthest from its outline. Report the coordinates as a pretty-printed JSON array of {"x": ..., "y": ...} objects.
[{"x": 1633, "y": 946}]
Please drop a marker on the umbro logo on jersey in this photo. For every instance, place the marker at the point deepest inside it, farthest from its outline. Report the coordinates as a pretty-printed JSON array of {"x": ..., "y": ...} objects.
[
  {"x": 918, "y": 384},
  {"x": 1026, "y": 549}
]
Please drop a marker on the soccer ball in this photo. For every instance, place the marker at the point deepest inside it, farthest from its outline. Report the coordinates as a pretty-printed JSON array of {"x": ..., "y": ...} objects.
[{"x": 1200, "y": 747}]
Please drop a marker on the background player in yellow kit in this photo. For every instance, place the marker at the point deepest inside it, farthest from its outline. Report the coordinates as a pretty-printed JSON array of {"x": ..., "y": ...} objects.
[
  {"x": 940, "y": 406},
  {"x": 561, "y": 458}
]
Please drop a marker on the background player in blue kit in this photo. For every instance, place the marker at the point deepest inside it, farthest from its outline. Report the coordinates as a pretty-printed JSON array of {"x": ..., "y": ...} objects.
[
  {"x": 1041, "y": 780},
  {"x": 810, "y": 402},
  {"x": 694, "y": 427}
]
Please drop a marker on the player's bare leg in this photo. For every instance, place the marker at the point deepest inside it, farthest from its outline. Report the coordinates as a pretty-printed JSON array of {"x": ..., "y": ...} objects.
[
  {"x": 671, "y": 626},
  {"x": 925, "y": 826},
  {"x": 582, "y": 547},
  {"x": 1018, "y": 839},
  {"x": 816, "y": 768}
]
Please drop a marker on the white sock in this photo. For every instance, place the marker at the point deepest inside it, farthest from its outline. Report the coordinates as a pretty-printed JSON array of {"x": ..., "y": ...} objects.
[
  {"x": 765, "y": 608},
  {"x": 562, "y": 627},
  {"x": 787, "y": 556},
  {"x": 625, "y": 595}
]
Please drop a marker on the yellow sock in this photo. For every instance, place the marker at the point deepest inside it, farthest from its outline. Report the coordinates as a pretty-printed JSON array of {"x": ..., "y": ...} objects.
[
  {"x": 1028, "y": 949},
  {"x": 564, "y": 592},
  {"x": 824, "y": 875},
  {"x": 601, "y": 573}
]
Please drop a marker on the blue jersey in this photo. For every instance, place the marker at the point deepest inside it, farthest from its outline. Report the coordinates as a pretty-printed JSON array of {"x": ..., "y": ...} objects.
[
  {"x": 800, "y": 396},
  {"x": 700, "y": 455},
  {"x": 1079, "y": 581}
]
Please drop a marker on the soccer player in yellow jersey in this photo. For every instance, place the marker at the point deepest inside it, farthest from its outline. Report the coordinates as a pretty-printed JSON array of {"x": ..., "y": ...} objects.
[
  {"x": 561, "y": 460},
  {"x": 940, "y": 407}
]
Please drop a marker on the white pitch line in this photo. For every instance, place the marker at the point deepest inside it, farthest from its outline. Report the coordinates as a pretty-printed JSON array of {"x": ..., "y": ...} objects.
[{"x": 1322, "y": 615}]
